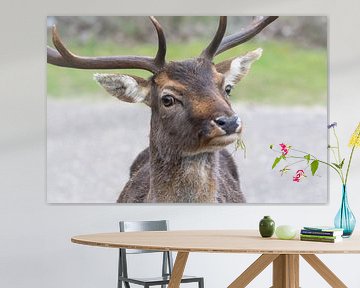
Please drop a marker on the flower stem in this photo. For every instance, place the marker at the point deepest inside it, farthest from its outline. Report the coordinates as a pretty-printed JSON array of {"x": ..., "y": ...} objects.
[
  {"x": 337, "y": 143},
  {"x": 338, "y": 150},
  {"x": 291, "y": 164},
  {"x": 296, "y": 150},
  {"x": 323, "y": 162},
  {"x": 333, "y": 152},
  {"x": 339, "y": 171}
]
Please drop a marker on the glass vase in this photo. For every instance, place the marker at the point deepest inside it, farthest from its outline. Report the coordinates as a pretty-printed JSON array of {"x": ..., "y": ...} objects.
[{"x": 345, "y": 219}]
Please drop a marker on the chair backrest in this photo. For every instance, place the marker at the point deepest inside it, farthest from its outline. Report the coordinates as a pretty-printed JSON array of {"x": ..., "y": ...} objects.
[{"x": 134, "y": 226}]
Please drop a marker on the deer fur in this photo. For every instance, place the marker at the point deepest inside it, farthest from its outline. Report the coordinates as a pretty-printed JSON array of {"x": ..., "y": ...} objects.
[{"x": 186, "y": 161}]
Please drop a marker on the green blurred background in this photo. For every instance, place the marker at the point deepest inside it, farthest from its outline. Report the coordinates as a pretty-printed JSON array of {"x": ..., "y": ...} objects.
[{"x": 292, "y": 70}]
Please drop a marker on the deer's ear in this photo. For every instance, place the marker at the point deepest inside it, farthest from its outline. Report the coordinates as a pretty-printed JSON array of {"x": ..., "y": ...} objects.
[
  {"x": 235, "y": 69},
  {"x": 127, "y": 88}
]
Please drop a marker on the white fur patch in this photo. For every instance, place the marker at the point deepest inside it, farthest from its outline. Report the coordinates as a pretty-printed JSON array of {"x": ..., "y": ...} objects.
[
  {"x": 240, "y": 66},
  {"x": 123, "y": 87}
]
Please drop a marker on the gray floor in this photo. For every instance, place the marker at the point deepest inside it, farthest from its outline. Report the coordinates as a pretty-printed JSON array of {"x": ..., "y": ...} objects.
[{"x": 90, "y": 146}]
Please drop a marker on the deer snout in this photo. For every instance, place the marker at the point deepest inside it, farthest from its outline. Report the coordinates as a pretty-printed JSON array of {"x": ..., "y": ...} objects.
[{"x": 230, "y": 124}]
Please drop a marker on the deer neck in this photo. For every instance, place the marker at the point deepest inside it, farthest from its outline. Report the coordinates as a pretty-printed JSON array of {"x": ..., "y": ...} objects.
[{"x": 177, "y": 179}]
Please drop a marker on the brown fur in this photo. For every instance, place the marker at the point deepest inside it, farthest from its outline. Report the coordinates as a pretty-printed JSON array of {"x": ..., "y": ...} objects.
[
  {"x": 224, "y": 66},
  {"x": 225, "y": 186},
  {"x": 183, "y": 163}
]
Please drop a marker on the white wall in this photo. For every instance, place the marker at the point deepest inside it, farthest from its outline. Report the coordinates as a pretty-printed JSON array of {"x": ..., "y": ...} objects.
[{"x": 35, "y": 248}]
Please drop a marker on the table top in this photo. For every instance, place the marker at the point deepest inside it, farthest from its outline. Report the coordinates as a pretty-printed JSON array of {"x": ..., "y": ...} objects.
[{"x": 217, "y": 241}]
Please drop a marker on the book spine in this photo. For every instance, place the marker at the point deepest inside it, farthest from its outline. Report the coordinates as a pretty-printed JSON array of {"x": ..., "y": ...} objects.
[
  {"x": 320, "y": 233},
  {"x": 318, "y": 239},
  {"x": 319, "y": 236}
]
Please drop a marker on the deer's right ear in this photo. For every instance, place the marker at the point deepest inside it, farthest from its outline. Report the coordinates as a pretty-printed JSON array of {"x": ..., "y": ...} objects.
[{"x": 127, "y": 88}]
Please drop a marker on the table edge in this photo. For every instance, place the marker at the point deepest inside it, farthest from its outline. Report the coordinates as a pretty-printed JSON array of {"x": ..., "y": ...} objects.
[{"x": 203, "y": 250}]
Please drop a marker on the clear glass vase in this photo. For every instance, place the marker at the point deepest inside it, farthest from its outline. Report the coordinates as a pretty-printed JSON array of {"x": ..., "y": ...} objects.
[{"x": 345, "y": 219}]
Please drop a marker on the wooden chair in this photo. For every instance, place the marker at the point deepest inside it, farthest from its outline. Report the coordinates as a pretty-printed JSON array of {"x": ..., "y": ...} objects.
[{"x": 167, "y": 262}]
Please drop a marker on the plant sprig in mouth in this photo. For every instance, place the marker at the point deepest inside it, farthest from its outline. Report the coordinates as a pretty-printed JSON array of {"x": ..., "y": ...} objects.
[{"x": 240, "y": 144}]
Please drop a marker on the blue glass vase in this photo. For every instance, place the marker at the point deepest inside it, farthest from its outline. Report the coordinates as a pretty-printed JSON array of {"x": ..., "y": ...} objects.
[{"x": 345, "y": 219}]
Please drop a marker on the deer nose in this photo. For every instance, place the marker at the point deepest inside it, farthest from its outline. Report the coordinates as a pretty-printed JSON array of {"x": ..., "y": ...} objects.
[{"x": 228, "y": 124}]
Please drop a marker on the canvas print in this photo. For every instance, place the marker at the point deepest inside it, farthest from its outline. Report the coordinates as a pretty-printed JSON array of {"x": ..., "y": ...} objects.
[{"x": 186, "y": 109}]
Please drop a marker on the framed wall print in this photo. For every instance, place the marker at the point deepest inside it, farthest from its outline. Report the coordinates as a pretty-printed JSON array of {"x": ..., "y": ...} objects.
[{"x": 186, "y": 109}]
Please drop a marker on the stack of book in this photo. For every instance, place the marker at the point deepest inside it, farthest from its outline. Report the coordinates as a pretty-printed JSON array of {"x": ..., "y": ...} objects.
[{"x": 321, "y": 234}]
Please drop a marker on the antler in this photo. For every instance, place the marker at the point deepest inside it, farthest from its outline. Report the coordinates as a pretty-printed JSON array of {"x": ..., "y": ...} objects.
[
  {"x": 65, "y": 58},
  {"x": 220, "y": 44},
  {"x": 209, "y": 52}
]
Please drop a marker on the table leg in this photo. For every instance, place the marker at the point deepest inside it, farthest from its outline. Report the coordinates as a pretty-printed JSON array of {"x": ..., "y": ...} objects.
[
  {"x": 178, "y": 269},
  {"x": 253, "y": 270},
  {"x": 324, "y": 271},
  {"x": 286, "y": 271}
]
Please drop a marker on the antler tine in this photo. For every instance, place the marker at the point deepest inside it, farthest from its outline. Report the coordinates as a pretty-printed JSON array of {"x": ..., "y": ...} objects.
[
  {"x": 160, "y": 55},
  {"x": 257, "y": 25},
  {"x": 65, "y": 58},
  {"x": 210, "y": 51}
]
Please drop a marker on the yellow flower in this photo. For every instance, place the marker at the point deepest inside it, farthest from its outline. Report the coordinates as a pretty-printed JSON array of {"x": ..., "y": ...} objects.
[{"x": 355, "y": 137}]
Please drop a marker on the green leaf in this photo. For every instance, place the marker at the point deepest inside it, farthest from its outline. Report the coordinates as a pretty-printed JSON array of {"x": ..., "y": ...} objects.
[
  {"x": 271, "y": 146},
  {"x": 314, "y": 166},
  {"x": 336, "y": 165},
  {"x": 276, "y": 161},
  {"x": 342, "y": 163},
  {"x": 307, "y": 157},
  {"x": 339, "y": 166}
]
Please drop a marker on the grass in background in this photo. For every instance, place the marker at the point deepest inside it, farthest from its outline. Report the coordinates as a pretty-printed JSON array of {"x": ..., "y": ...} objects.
[{"x": 284, "y": 75}]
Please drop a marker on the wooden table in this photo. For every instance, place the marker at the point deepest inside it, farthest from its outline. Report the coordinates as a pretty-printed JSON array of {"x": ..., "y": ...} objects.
[{"x": 284, "y": 254}]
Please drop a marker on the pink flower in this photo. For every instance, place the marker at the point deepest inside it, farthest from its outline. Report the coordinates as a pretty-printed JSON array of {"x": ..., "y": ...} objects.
[
  {"x": 284, "y": 149},
  {"x": 298, "y": 175}
]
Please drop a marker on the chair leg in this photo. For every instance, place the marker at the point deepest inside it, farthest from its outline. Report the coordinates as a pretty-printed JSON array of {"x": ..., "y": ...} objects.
[{"x": 201, "y": 283}]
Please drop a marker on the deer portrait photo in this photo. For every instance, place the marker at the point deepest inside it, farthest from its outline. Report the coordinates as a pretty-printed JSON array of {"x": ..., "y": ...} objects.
[{"x": 185, "y": 109}]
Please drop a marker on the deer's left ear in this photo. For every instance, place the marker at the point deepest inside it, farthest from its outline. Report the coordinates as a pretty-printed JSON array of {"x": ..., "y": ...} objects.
[
  {"x": 127, "y": 88},
  {"x": 235, "y": 69}
]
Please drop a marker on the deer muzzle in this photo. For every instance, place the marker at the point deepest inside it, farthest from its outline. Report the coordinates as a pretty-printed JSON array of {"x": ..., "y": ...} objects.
[{"x": 229, "y": 125}]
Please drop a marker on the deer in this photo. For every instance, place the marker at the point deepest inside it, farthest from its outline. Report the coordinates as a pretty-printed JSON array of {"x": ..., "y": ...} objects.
[{"x": 192, "y": 120}]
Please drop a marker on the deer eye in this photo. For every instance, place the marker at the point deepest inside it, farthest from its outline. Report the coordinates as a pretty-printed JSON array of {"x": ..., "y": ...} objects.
[
  {"x": 228, "y": 89},
  {"x": 168, "y": 100}
]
